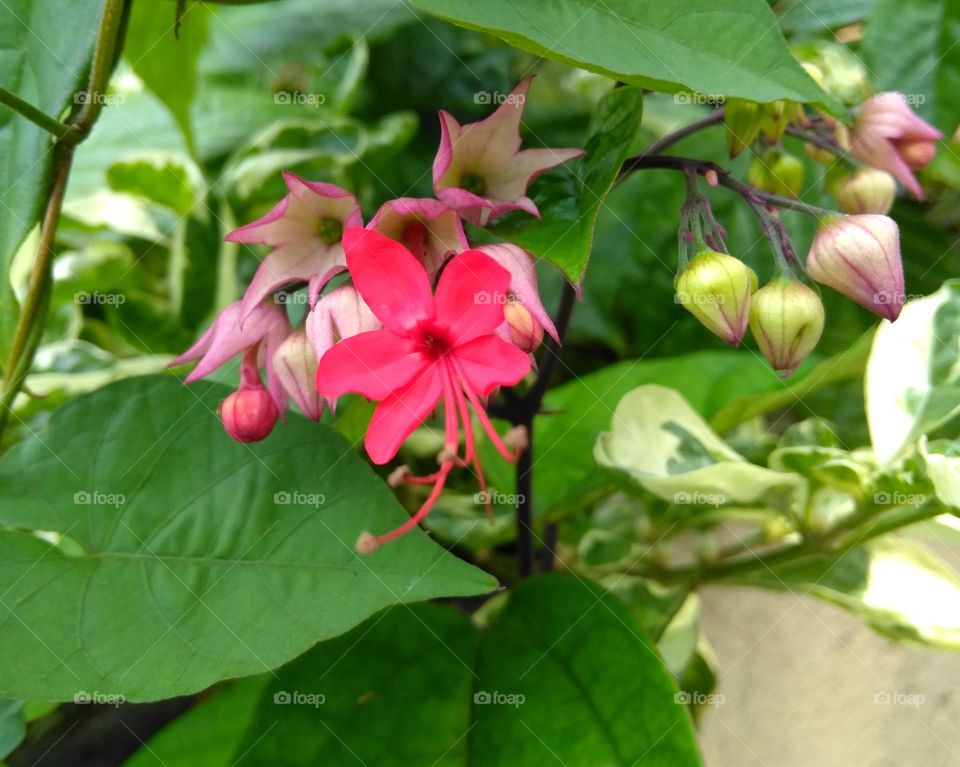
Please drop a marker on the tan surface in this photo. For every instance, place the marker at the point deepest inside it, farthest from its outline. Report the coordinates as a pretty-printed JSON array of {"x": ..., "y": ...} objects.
[{"x": 800, "y": 677}]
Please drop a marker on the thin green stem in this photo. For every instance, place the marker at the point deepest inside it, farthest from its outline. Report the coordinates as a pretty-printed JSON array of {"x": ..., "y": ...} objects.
[
  {"x": 667, "y": 141},
  {"x": 100, "y": 69},
  {"x": 36, "y": 302},
  {"x": 37, "y": 116},
  {"x": 842, "y": 539}
]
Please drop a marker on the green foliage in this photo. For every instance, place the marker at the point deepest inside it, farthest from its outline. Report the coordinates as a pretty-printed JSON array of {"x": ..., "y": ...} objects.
[
  {"x": 44, "y": 51},
  {"x": 154, "y": 42},
  {"x": 562, "y": 669},
  {"x": 243, "y": 560},
  {"x": 927, "y": 63},
  {"x": 651, "y": 44},
  {"x": 564, "y": 234}
]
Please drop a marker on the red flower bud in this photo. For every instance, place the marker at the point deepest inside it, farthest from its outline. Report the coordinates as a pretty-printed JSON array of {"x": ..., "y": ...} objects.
[{"x": 249, "y": 414}]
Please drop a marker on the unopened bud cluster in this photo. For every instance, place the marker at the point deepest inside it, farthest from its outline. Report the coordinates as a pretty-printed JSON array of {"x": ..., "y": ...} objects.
[{"x": 858, "y": 256}]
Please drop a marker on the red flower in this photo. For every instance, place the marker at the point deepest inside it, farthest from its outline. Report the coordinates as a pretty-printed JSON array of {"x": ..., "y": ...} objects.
[{"x": 431, "y": 347}]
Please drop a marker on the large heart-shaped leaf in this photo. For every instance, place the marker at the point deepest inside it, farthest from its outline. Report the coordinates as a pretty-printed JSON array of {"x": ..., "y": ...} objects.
[
  {"x": 175, "y": 557},
  {"x": 564, "y": 670},
  {"x": 716, "y": 47},
  {"x": 593, "y": 688},
  {"x": 44, "y": 47}
]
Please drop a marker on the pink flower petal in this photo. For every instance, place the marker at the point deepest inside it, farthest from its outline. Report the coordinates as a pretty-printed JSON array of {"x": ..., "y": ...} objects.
[
  {"x": 389, "y": 279},
  {"x": 373, "y": 364},
  {"x": 488, "y": 362},
  {"x": 438, "y": 227},
  {"x": 226, "y": 338},
  {"x": 470, "y": 296},
  {"x": 305, "y": 261},
  {"x": 523, "y": 281},
  {"x": 402, "y": 412}
]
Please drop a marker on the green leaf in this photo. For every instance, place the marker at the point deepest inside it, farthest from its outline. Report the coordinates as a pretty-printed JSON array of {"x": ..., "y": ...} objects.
[
  {"x": 175, "y": 558},
  {"x": 895, "y": 584},
  {"x": 715, "y": 47},
  {"x": 207, "y": 734},
  {"x": 167, "y": 63},
  {"x": 164, "y": 178},
  {"x": 843, "y": 366},
  {"x": 664, "y": 446},
  {"x": 13, "y": 728},
  {"x": 912, "y": 382},
  {"x": 393, "y": 692},
  {"x": 45, "y": 46},
  {"x": 593, "y": 688},
  {"x": 569, "y": 206},
  {"x": 576, "y": 412},
  {"x": 563, "y": 669},
  {"x": 926, "y": 66}
]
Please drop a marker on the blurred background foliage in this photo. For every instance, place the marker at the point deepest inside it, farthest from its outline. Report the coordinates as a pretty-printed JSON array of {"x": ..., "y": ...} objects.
[{"x": 347, "y": 91}]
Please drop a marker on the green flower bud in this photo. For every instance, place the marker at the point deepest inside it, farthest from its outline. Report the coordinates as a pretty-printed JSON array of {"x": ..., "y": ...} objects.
[
  {"x": 773, "y": 120},
  {"x": 777, "y": 172},
  {"x": 786, "y": 318},
  {"x": 867, "y": 190},
  {"x": 742, "y": 119},
  {"x": 715, "y": 288}
]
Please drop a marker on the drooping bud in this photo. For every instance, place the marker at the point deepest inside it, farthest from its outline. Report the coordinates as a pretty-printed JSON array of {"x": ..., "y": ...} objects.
[
  {"x": 867, "y": 190},
  {"x": 742, "y": 119},
  {"x": 296, "y": 366},
  {"x": 773, "y": 120},
  {"x": 525, "y": 332},
  {"x": 887, "y": 134},
  {"x": 715, "y": 288},
  {"x": 786, "y": 318},
  {"x": 859, "y": 256},
  {"x": 249, "y": 414},
  {"x": 777, "y": 172}
]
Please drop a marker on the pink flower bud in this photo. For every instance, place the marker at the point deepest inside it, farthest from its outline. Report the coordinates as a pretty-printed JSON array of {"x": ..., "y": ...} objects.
[
  {"x": 296, "y": 367},
  {"x": 786, "y": 318},
  {"x": 888, "y": 135},
  {"x": 859, "y": 256},
  {"x": 249, "y": 414},
  {"x": 525, "y": 332},
  {"x": 867, "y": 191}
]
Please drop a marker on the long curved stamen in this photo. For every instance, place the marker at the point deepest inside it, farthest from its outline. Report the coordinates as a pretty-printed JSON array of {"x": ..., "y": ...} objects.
[
  {"x": 481, "y": 412},
  {"x": 423, "y": 510},
  {"x": 452, "y": 441},
  {"x": 471, "y": 451}
]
